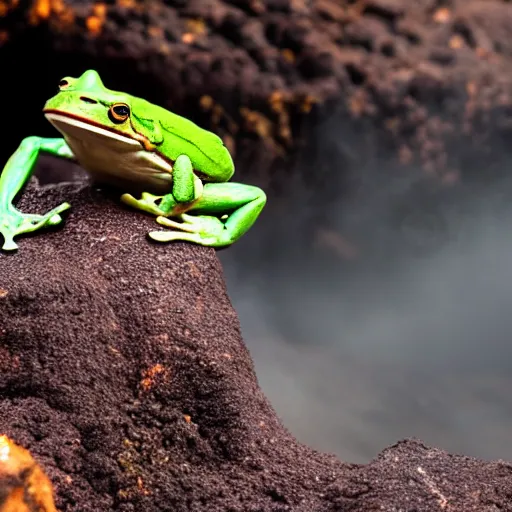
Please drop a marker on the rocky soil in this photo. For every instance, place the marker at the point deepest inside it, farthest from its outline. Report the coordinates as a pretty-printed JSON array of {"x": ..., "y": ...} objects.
[{"x": 125, "y": 375}]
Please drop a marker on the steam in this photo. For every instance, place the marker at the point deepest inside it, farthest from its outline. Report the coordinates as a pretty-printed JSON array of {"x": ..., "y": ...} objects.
[{"x": 411, "y": 338}]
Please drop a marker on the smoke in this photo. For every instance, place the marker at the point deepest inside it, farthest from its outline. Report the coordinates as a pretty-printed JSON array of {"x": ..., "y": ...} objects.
[{"x": 401, "y": 328}]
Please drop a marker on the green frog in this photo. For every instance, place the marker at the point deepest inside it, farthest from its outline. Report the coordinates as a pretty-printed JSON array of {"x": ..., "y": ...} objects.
[{"x": 180, "y": 171}]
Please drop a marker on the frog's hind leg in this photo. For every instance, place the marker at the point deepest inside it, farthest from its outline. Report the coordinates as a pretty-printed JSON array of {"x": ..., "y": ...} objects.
[{"x": 206, "y": 222}]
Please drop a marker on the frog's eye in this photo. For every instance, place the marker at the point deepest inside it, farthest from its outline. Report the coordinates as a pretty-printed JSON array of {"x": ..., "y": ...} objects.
[
  {"x": 63, "y": 84},
  {"x": 119, "y": 113}
]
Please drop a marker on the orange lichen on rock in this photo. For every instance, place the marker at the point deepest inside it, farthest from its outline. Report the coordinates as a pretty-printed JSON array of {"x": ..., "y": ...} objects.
[
  {"x": 94, "y": 24},
  {"x": 141, "y": 487},
  {"x": 100, "y": 10},
  {"x": 95, "y": 21},
  {"x": 23, "y": 485},
  {"x": 188, "y": 38},
  {"x": 156, "y": 32},
  {"x": 442, "y": 15},
  {"x": 277, "y": 101},
  {"x": 307, "y": 103},
  {"x": 43, "y": 10},
  {"x": 456, "y": 42},
  {"x": 194, "y": 28},
  {"x": 218, "y": 115},
  {"x": 7, "y": 5},
  {"x": 206, "y": 102},
  {"x": 288, "y": 55},
  {"x": 149, "y": 377},
  {"x": 256, "y": 122}
]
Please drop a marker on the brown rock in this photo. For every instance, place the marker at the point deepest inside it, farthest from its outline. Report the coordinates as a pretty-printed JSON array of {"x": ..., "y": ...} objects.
[{"x": 124, "y": 372}]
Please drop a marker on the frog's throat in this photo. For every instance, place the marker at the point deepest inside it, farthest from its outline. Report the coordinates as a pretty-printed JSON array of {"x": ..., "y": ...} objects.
[{"x": 107, "y": 131}]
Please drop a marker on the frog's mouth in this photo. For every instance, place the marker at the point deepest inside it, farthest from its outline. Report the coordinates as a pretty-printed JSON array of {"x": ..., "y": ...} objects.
[{"x": 66, "y": 123}]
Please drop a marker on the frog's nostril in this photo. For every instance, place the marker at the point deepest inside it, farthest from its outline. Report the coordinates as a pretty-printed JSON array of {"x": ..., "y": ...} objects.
[{"x": 87, "y": 100}]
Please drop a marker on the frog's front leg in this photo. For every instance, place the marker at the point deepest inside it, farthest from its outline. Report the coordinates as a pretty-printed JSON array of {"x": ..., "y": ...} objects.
[
  {"x": 186, "y": 187},
  {"x": 206, "y": 223},
  {"x": 16, "y": 173}
]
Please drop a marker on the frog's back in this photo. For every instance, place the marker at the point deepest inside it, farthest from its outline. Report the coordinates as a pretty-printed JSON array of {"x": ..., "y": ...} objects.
[{"x": 207, "y": 152}]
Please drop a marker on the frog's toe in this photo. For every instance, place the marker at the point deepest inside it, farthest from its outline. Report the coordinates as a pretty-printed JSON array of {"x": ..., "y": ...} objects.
[
  {"x": 14, "y": 223},
  {"x": 147, "y": 203},
  {"x": 182, "y": 226},
  {"x": 53, "y": 216},
  {"x": 31, "y": 222},
  {"x": 202, "y": 224},
  {"x": 38, "y": 221},
  {"x": 9, "y": 243},
  {"x": 176, "y": 236},
  {"x": 203, "y": 230}
]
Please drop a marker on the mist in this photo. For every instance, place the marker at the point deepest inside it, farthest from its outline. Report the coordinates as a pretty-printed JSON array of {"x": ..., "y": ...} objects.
[{"x": 402, "y": 328}]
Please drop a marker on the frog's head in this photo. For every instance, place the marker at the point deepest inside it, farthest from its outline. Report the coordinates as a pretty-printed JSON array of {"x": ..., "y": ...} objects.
[{"x": 84, "y": 106}]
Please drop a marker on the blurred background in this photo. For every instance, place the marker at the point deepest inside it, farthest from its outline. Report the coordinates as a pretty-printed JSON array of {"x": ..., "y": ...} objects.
[{"x": 375, "y": 290}]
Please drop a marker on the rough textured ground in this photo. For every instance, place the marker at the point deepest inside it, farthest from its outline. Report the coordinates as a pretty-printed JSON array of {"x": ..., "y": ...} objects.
[
  {"x": 124, "y": 372},
  {"x": 412, "y": 82}
]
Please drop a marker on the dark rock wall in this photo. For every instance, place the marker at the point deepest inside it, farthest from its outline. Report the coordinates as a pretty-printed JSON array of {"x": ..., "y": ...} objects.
[{"x": 428, "y": 81}]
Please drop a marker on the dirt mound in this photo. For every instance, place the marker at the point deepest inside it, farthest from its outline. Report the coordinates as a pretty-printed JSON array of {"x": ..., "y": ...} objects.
[{"x": 123, "y": 371}]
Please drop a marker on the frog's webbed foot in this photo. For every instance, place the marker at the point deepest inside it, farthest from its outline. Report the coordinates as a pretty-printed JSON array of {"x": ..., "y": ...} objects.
[
  {"x": 217, "y": 217},
  {"x": 167, "y": 205},
  {"x": 14, "y": 223},
  {"x": 233, "y": 209},
  {"x": 147, "y": 203},
  {"x": 202, "y": 229}
]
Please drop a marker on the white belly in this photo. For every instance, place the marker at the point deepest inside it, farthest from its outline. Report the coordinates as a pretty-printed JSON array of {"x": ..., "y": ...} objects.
[{"x": 112, "y": 158}]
